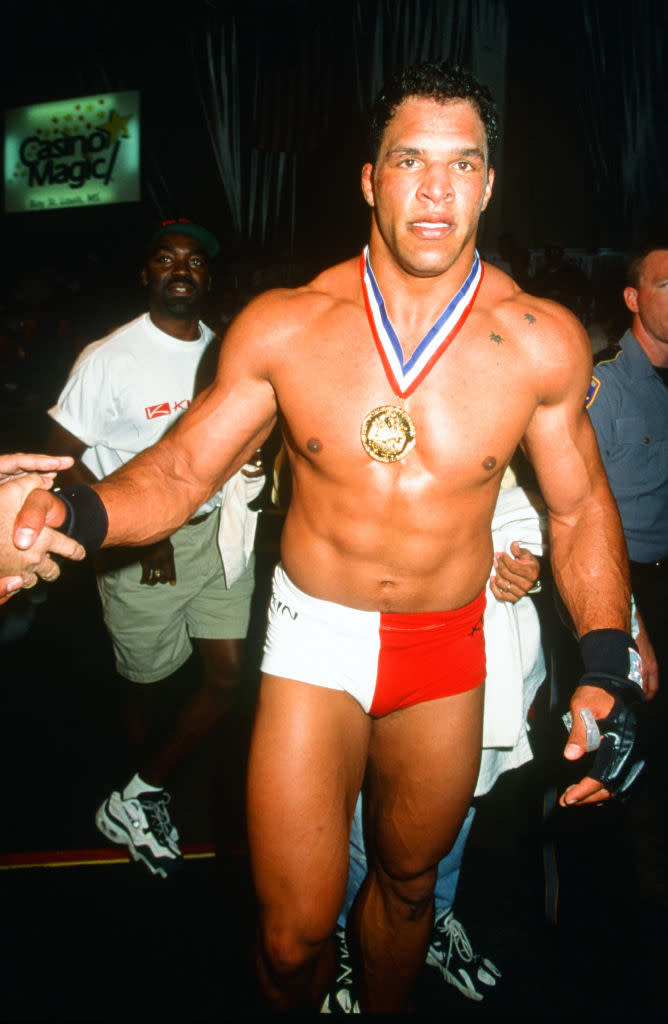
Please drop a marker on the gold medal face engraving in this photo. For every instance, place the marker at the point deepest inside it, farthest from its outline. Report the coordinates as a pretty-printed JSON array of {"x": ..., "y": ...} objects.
[{"x": 388, "y": 433}]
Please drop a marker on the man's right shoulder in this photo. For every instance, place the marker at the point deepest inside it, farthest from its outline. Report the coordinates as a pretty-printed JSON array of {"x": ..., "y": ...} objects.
[{"x": 286, "y": 311}]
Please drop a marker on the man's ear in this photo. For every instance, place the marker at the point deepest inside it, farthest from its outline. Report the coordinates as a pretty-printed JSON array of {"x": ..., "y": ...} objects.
[
  {"x": 367, "y": 184},
  {"x": 488, "y": 188},
  {"x": 631, "y": 298}
]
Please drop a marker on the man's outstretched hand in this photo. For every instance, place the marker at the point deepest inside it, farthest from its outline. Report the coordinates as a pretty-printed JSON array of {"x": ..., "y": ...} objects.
[{"x": 26, "y": 545}]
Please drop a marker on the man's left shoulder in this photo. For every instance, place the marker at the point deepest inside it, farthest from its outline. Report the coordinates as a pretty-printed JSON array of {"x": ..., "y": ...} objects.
[{"x": 543, "y": 327}]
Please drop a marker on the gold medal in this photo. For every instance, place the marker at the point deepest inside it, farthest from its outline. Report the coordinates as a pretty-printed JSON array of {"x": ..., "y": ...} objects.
[{"x": 388, "y": 433}]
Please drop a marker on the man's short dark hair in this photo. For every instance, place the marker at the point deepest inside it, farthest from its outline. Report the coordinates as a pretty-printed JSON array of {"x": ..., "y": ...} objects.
[
  {"x": 636, "y": 260},
  {"x": 441, "y": 82}
]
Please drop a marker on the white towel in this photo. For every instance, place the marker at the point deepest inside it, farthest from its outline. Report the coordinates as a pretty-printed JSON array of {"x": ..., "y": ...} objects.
[
  {"x": 515, "y": 662},
  {"x": 236, "y": 530}
]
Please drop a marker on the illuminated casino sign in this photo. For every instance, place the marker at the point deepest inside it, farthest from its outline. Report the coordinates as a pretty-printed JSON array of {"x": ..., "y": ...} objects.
[{"x": 80, "y": 152}]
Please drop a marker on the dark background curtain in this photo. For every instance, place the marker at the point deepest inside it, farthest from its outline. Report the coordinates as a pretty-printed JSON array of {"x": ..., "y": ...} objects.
[{"x": 251, "y": 120}]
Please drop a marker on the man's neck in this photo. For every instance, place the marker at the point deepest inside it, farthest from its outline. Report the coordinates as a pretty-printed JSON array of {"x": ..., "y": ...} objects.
[
  {"x": 413, "y": 302},
  {"x": 655, "y": 350},
  {"x": 182, "y": 328}
]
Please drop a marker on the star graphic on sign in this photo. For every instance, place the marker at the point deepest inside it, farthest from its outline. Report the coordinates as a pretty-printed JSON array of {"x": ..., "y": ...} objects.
[{"x": 115, "y": 126}]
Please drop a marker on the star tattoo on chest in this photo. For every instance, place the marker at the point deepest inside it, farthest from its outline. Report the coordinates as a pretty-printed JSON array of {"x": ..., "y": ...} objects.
[
  {"x": 496, "y": 338},
  {"x": 530, "y": 317}
]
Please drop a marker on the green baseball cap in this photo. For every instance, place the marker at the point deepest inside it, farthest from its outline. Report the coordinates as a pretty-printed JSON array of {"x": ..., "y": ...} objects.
[{"x": 183, "y": 226}]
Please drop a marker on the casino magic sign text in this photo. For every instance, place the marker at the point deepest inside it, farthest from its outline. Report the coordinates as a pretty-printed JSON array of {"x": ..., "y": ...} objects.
[{"x": 78, "y": 152}]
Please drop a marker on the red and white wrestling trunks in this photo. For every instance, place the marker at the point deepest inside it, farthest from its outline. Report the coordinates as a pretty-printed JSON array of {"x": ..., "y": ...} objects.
[{"x": 385, "y": 660}]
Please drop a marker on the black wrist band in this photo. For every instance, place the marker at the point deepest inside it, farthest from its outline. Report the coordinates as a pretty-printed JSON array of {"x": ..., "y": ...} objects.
[
  {"x": 611, "y": 652},
  {"x": 86, "y": 517}
]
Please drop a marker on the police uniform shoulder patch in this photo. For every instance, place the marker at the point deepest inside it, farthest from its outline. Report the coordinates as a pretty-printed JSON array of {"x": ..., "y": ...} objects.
[{"x": 593, "y": 391}]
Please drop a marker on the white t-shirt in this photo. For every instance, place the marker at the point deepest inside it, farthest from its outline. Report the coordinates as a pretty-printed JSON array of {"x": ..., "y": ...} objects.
[{"x": 125, "y": 391}]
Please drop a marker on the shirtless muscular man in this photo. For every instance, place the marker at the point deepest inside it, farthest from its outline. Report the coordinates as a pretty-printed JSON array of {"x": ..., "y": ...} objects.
[{"x": 404, "y": 380}]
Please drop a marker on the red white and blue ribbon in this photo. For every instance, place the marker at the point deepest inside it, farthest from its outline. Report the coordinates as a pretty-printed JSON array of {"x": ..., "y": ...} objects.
[{"x": 404, "y": 377}]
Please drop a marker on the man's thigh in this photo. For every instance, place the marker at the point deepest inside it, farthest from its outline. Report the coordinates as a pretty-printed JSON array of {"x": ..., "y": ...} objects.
[
  {"x": 422, "y": 770},
  {"x": 307, "y": 761}
]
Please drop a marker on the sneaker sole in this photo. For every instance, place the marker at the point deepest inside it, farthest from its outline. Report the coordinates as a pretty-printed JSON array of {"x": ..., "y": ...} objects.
[{"x": 114, "y": 831}]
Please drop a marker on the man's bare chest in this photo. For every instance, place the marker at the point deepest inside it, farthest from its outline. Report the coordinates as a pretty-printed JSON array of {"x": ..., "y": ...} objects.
[{"x": 468, "y": 412}]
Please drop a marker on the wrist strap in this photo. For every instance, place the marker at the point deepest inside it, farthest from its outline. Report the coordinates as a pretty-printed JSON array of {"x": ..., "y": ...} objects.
[
  {"x": 86, "y": 517},
  {"x": 611, "y": 652}
]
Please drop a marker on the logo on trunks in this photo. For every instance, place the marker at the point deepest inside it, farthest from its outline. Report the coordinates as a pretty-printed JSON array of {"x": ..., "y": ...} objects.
[
  {"x": 278, "y": 606},
  {"x": 476, "y": 628}
]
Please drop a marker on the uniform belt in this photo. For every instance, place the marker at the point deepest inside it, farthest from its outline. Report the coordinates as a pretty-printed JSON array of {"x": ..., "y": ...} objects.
[{"x": 199, "y": 519}]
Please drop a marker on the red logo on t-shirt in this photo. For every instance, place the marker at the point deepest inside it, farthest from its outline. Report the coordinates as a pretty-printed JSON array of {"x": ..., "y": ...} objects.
[
  {"x": 152, "y": 411},
  {"x": 166, "y": 408}
]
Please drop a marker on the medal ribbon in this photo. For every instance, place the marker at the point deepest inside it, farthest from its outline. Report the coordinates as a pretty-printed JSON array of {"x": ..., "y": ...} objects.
[{"x": 404, "y": 377}]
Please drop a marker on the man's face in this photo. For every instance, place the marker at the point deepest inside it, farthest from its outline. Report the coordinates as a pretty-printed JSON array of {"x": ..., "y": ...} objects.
[
  {"x": 176, "y": 273},
  {"x": 430, "y": 183},
  {"x": 649, "y": 301}
]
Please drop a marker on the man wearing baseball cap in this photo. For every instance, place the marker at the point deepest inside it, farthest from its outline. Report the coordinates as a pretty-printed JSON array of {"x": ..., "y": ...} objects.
[{"x": 123, "y": 393}]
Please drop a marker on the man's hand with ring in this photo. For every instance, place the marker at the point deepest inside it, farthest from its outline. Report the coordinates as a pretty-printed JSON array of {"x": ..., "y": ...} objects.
[
  {"x": 515, "y": 573},
  {"x": 157, "y": 563}
]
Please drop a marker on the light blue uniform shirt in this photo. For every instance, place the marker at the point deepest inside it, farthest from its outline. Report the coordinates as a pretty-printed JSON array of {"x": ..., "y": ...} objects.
[{"x": 628, "y": 407}]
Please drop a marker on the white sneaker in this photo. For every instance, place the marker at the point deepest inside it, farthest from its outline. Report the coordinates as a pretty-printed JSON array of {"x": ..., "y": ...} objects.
[
  {"x": 452, "y": 954},
  {"x": 142, "y": 823}
]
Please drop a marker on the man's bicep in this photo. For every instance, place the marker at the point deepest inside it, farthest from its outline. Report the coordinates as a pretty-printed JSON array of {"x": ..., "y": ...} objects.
[
  {"x": 562, "y": 447},
  {"x": 223, "y": 429},
  {"x": 232, "y": 417}
]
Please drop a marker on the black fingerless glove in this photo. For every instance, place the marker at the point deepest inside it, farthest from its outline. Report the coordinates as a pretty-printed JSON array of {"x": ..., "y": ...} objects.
[{"x": 612, "y": 663}]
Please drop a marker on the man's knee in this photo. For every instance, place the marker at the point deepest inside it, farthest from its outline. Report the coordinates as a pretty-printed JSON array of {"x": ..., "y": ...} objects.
[
  {"x": 289, "y": 948},
  {"x": 222, "y": 662},
  {"x": 411, "y": 891}
]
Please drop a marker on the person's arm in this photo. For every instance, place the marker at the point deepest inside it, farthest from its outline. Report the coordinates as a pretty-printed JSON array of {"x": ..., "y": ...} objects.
[
  {"x": 588, "y": 552},
  {"x": 58, "y": 440},
  {"x": 159, "y": 490}
]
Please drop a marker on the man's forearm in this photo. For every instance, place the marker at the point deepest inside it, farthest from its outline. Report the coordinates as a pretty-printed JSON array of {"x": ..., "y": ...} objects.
[
  {"x": 150, "y": 497},
  {"x": 590, "y": 567}
]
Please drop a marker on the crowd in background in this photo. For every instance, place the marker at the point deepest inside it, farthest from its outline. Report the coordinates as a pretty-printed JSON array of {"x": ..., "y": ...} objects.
[{"x": 48, "y": 315}]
